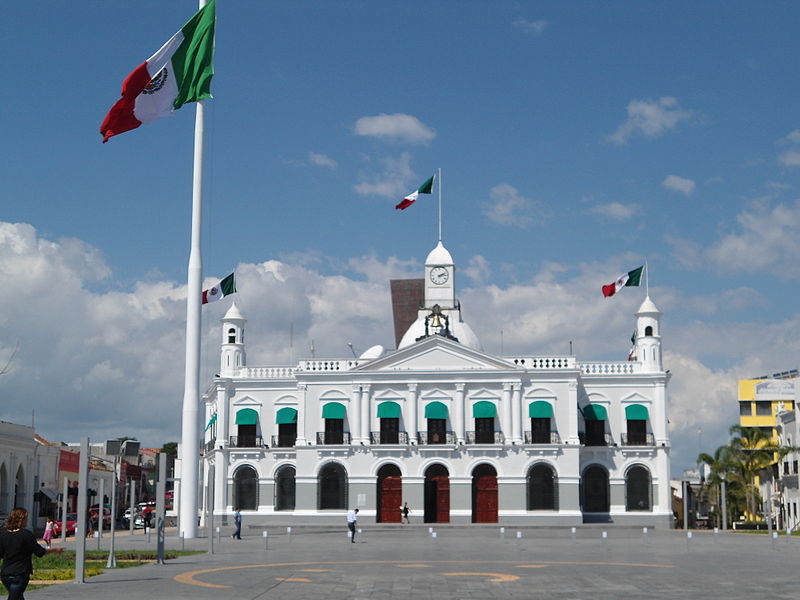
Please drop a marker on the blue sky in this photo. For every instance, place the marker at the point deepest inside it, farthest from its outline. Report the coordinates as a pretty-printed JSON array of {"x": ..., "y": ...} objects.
[{"x": 576, "y": 140}]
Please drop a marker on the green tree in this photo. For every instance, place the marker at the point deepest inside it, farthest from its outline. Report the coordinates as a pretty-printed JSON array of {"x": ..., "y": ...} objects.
[
  {"x": 751, "y": 451},
  {"x": 719, "y": 465},
  {"x": 170, "y": 448}
]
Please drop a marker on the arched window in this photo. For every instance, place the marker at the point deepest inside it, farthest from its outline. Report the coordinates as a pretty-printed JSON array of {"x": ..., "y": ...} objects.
[
  {"x": 648, "y": 331},
  {"x": 246, "y": 423},
  {"x": 4, "y": 508},
  {"x": 595, "y": 490},
  {"x": 484, "y": 414},
  {"x": 636, "y": 416},
  {"x": 245, "y": 488},
  {"x": 542, "y": 490},
  {"x": 286, "y": 419},
  {"x": 19, "y": 488},
  {"x": 540, "y": 413},
  {"x": 285, "y": 488},
  {"x": 595, "y": 417},
  {"x": 389, "y": 415},
  {"x": 637, "y": 489},
  {"x": 334, "y": 414},
  {"x": 231, "y": 336},
  {"x": 332, "y": 487},
  {"x": 436, "y": 415}
]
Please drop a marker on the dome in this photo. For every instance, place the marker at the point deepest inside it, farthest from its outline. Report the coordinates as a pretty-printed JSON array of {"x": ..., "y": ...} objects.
[
  {"x": 462, "y": 331},
  {"x": 234, "y": 314},
  {"x": 439, "y": 256},
  {"x": 648, "y": 308}
]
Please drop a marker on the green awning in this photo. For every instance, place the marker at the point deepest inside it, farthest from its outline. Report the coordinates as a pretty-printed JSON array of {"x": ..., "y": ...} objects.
[
  {"x": 285, "y": 416},
  {"x": 388, "y": 410},
  {"x": 211, "y": 421},
  {"x": 247, "y": 416},
  {"x": 540, "y": 410},
  {"x": 595, "y": 412},
  {"x": 483, "y": 410},
  {"x": 436, "y": 410},
  {"x": 333, "y": 410},
  {"x": 636, "y": 412}
]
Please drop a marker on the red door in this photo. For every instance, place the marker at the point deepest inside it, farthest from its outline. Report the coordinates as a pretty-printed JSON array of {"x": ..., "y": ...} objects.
[
  {"x": 442, "y": 498},
  {"x": 391, "y": 499},
  {"x": 486, "y": 499}
]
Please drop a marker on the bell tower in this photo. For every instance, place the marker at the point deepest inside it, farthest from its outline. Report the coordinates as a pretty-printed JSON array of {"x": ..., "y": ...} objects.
[
  {"x": 648, "y": 337},
  {"x": 440, "y": 284},
  {"x": 232, "y": 354}
]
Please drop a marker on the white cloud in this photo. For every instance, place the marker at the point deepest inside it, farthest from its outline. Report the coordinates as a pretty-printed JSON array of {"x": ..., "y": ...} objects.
[
  {"x": 679, "y": 184},
  {"x": 321, "y": 160},
  {"x": 393, "y": 182},
  {"x": 507, "y": 206},
  {"x": 477, "y": 269},
  {"x": 615, "y": 211},
  {"x": 793, "y": 136},
  {"x": 790, "y": 158},
  {"x": 534, "y": 27},
  {"x": 649, "y": 118},
  {"x": 397, "y": 127}
]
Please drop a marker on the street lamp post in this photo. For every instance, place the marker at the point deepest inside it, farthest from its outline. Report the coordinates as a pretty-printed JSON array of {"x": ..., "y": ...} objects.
[
  {"x": 112, "y": 559},
  {"x": 724, "y": 500}
]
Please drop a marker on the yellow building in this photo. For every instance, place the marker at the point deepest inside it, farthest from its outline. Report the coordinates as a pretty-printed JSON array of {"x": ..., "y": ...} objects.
[{"x": 761, "y": 399}]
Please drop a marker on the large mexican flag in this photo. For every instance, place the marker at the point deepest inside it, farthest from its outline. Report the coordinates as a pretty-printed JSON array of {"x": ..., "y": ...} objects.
[{"x": 178, "y": 73}]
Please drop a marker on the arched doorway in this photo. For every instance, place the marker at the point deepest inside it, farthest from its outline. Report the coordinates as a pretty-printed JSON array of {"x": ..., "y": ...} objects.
[
  {"x": 245, "y": 488},
  {"x": 484, "y": 494},
  {"x": 437, "y": 494},
  {"x": 637, "y": 489},
  {"x": 332, "y": 487},
  {"x": 390, "y": 494},
  {"x": 595, "y": 490},
  {"x": 542, "y": 488},
  {"x": 285, "y": 488},
  {"x": 19, "y": 488}
]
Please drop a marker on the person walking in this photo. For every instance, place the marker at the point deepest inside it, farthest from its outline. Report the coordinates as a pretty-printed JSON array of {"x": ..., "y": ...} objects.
[
  {"x": 237, "y": 521},
  {"x": 406, "y": 510},
  {"x": 17, "y": 545},
  {"x": 352, "y": 521},
  {"x": 48, "y": 531}
]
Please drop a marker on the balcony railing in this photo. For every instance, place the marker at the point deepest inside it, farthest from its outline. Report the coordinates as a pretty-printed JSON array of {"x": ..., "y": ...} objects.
[
  {"x": 210, "y": 445},
  {"x": 606, "y": 440},
  {"x": 445, "y": 437},
  {"x": 282, "y": 441},
  {"x": 245, "y": 441},
  {"x": 333, "y": 439},
  {"x": 396, "y": 437},
  {"x": 638, "y": 439},
  {"x": 485, "y": 437},
  {"x": 538, "y": 437}
]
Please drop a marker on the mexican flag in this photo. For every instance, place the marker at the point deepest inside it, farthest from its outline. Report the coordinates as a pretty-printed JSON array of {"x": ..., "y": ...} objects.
[
  {"x": 425, "y": 188},
  {"x": 631, "y": 278},
  {"x": 224, "y": 288},
  {"x": 178, "y": 73}
]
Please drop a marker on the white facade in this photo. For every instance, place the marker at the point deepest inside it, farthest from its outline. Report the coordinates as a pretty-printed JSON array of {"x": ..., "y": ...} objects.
[
  {"x": 459, "y": 434},
  {"x": 17, "y": 467},
  {"x": 787, "y": 492}
]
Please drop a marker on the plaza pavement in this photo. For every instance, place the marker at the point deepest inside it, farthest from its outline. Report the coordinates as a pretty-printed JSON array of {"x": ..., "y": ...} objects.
[{"x": 462, "y": 562}]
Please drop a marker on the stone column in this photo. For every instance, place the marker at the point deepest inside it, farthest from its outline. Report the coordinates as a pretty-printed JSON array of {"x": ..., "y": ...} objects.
[
  {"x": 222, "y": 418},
  {"x": 354, "y": 416},
  {"x": 505, "y": 423},
  {"x": 366, "y": 425},
  {"x": 516, "y": 414},
  {"x": 412, "y": 425},
  {"x": 459, "y": 416},
  {"x": 301, "y": 415},
  {"x": 570, "y": 435}
]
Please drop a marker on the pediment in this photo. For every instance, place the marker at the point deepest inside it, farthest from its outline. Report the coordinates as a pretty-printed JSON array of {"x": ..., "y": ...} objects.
[
  {"x": 636, "y": 398},
  {"x": 437, "y": 354},
  {"x": 245, "y": 402}
]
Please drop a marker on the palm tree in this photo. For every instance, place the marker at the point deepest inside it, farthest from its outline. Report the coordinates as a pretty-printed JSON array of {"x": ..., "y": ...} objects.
[
  {"x": 719, "y": 465},
  {"x": 751, "y": 451}
]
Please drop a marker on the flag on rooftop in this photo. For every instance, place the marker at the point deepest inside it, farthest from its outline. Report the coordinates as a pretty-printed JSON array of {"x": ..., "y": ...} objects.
[
  {"x": 631, "y": 278},
  {"x": 425, "y": 188},
  {"x": 178, "y": 73},
  {"x": 224, "y": 288}
]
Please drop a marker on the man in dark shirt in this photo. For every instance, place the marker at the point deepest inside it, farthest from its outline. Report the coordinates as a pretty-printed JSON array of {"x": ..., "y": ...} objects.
[{"x": 17, "y": 545}]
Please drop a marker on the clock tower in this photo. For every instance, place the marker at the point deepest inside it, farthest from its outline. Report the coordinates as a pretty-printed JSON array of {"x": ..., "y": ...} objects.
[{"x": 440, "y": 285}]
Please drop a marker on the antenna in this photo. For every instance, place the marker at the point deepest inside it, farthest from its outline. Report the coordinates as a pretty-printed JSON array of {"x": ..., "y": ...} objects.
[
  {"x": 646, "y": 278},
  {"x": 311, "y": 347},
  {"x": 349, "y": 345},
  {"x": 570, "y": 347}
]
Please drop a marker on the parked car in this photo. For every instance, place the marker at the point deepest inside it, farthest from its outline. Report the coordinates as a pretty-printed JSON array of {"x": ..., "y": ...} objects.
[{"x": 72, "y": 521}]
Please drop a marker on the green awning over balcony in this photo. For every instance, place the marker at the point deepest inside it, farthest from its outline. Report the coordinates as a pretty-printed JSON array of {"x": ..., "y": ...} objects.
[
  {"x": 636, "y": 412},
  {"x": 247, "y": 416},
  {"x": 484, "y": 410},
  {"x": 286, "y": 416},
  {"x": 388, "y": 410},
  {"x": 333, "y": 410},
  {"x": 540, "y": 410},
  {"x": 436, "y": 410},
  {"x": 595, "y": 412}
]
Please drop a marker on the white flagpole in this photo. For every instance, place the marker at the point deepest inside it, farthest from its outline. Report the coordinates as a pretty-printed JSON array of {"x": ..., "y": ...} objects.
[
  {"x": 190, "y": 436},
  {"x": 646, "y": 278},
  {"x": 440, "y": 204}
]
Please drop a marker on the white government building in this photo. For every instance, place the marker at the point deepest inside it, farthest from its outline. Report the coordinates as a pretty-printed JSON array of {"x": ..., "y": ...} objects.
[{"x": 461, "y": 435}]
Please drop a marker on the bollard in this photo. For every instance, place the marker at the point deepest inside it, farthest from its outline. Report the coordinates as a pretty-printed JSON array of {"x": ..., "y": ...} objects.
[
  {"x": 604, "y": 537},
  {"x": 644, "y": 534},
  {"x": 266, "y": 540},
  {"x": 502, "y": 532},
  {"x": 716, "y": 535},
  {"x": 349, "y": 535},
  {"x": 774, "y": 540},
  {"x": 219, "y": 536},
  {"x": 147, "y": 531},
  {"x": 97, "y": 535},
  {"x": 688, "y": 541},
  {"x": 788, "y": 534},
  {"x": 360, "y": 536},
  {"x": 573, "y": 535},
  {"x": 434, "y": 536},
  {"x": 289, "y": 534},
  {"x": 519, "y": 541},
  {"x": 430, "y": 529}
]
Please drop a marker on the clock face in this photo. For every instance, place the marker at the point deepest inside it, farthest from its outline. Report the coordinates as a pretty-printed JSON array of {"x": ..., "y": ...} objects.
[{"x": 439, "y": 275}]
